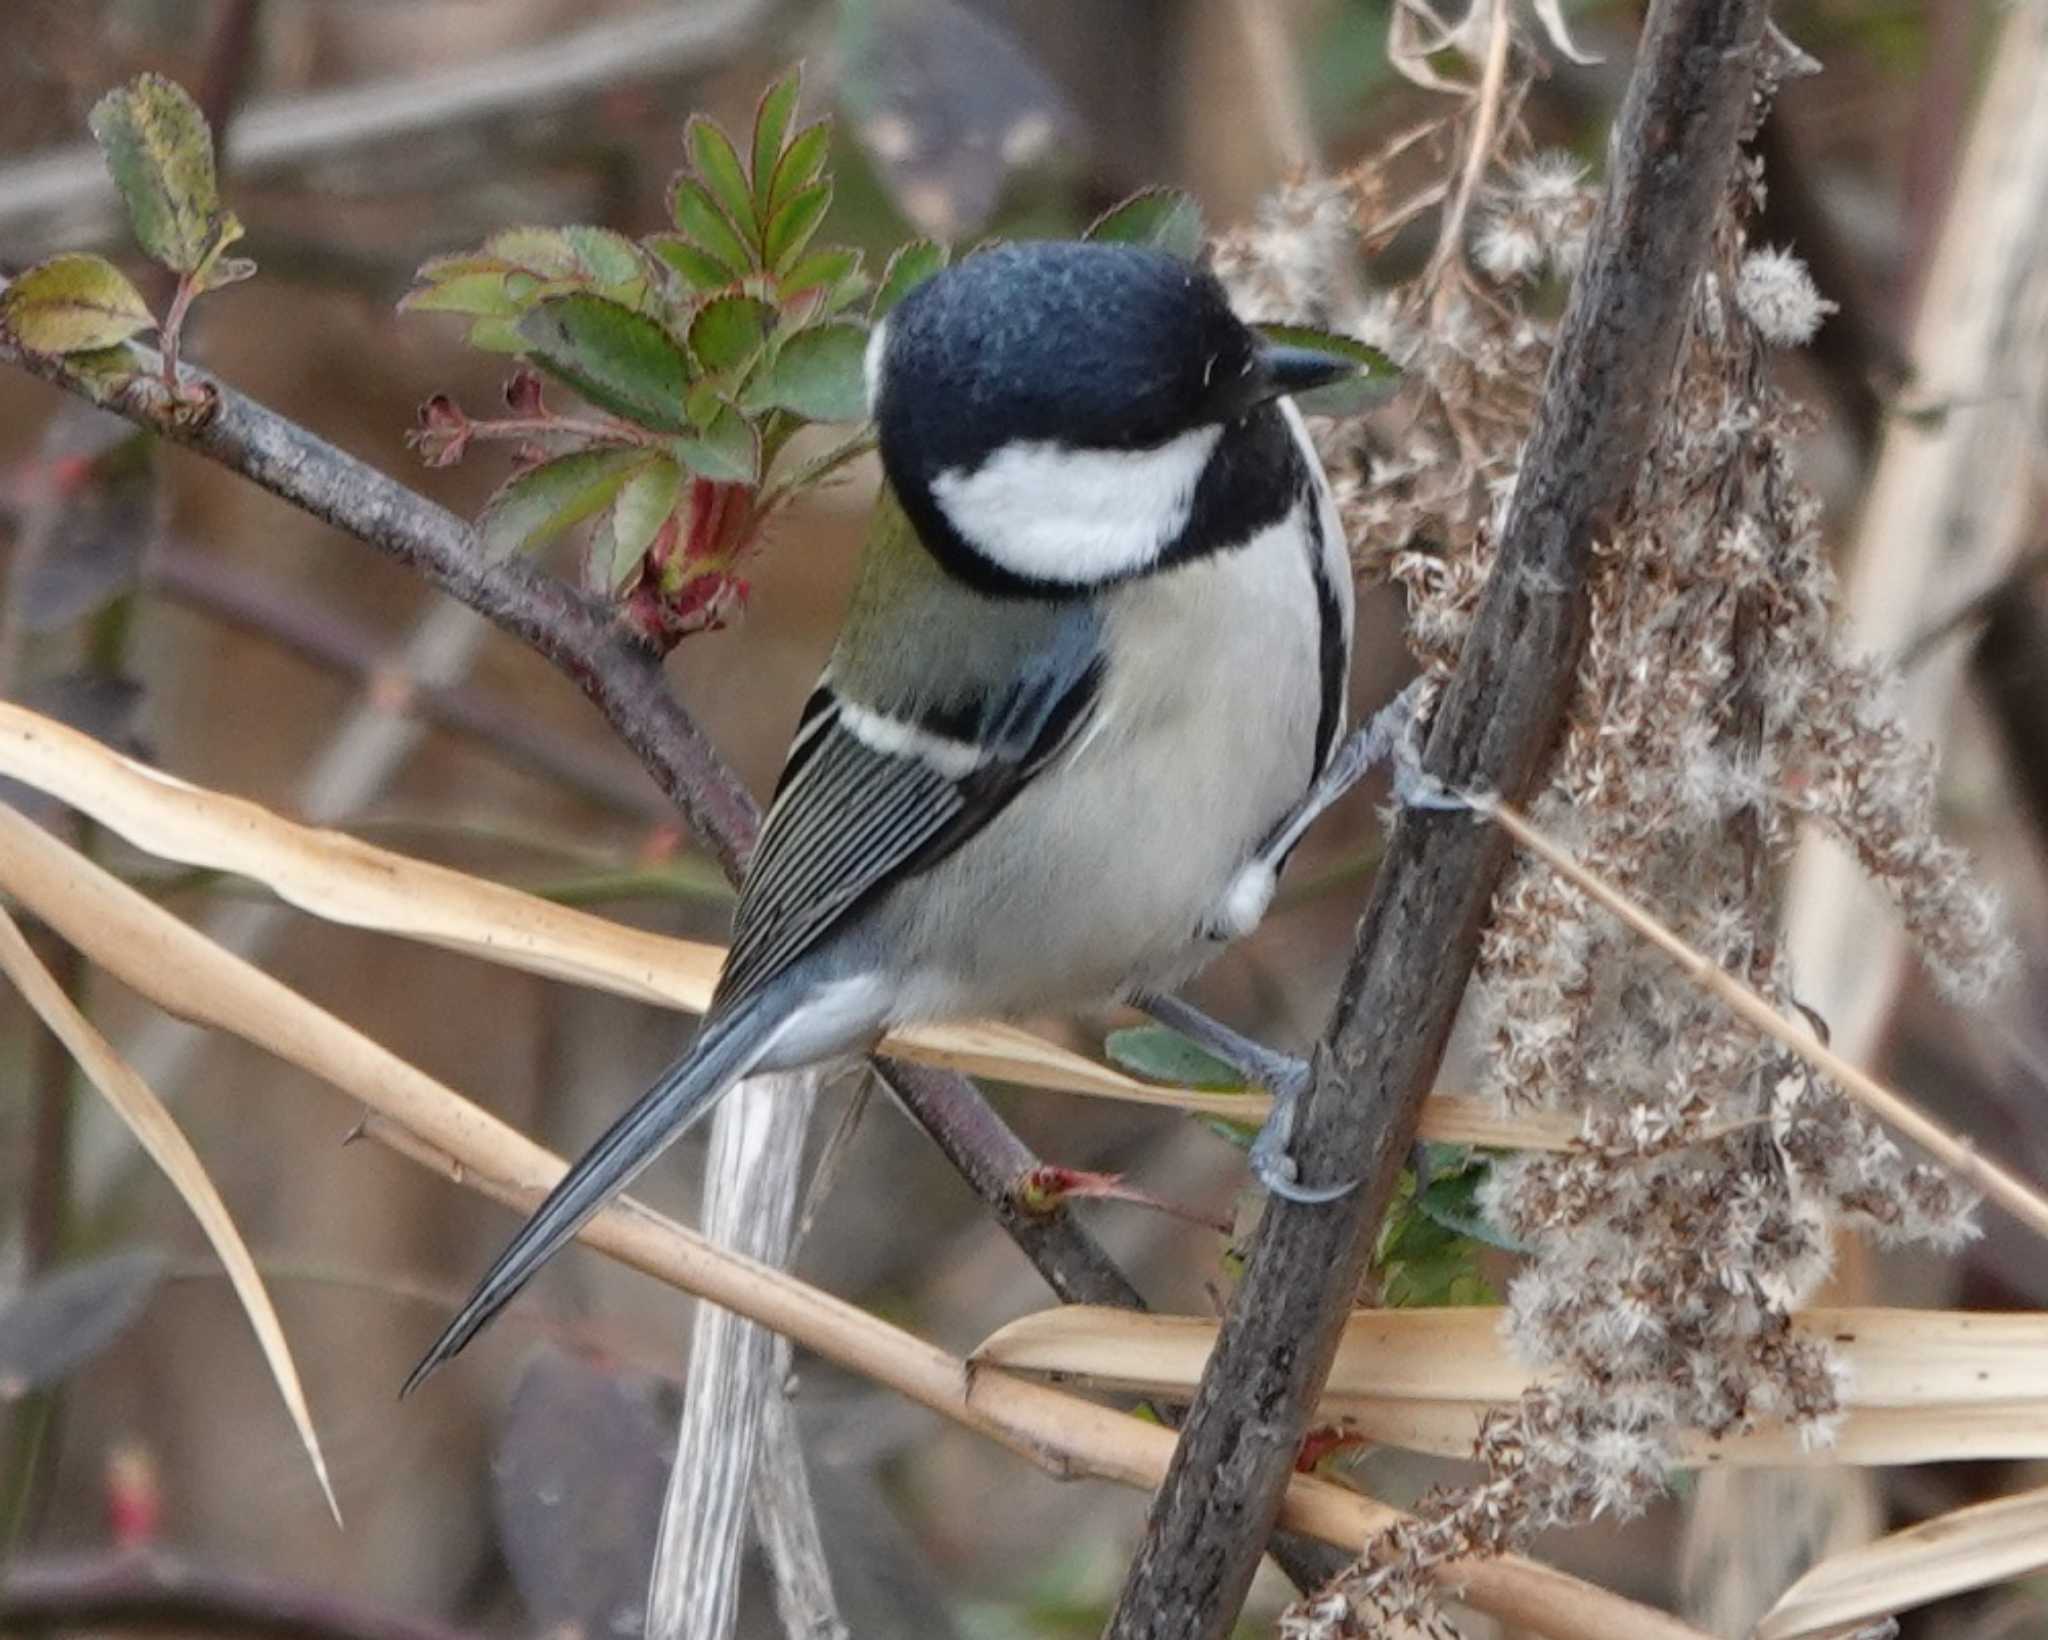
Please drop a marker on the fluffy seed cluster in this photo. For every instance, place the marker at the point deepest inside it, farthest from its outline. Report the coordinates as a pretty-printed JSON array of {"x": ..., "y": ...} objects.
[{"x": 1715, "y": 710}]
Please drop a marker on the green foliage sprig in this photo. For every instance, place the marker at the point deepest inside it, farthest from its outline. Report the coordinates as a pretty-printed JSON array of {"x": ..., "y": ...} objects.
[
  {"x": 704, "y": 349},
  {"x": 160, "y": 154}
]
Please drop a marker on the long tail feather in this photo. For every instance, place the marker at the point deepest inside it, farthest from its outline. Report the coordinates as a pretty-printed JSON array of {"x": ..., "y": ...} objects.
[{"x": 725, "y": 1050}]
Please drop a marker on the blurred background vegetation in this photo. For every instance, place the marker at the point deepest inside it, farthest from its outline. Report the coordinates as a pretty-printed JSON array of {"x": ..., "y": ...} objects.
[{"x": 173, "y": 610}]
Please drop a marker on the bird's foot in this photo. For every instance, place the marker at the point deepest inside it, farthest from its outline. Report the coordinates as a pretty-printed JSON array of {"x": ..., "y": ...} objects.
[{"x": 1286, "y": 1076}]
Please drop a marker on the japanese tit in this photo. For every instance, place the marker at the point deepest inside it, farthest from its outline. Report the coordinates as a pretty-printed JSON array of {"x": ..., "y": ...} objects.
[{"x": 1093, "y": 668}]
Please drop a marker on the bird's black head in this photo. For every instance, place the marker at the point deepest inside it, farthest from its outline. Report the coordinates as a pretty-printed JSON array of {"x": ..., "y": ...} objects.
[{"x": 1048, "y": 411}]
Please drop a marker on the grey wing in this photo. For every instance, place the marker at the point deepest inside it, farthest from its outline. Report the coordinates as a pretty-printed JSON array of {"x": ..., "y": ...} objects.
[{"x": 868, "y": 798}]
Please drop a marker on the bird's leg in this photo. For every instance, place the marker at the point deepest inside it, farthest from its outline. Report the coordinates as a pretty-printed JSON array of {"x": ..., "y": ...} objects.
[
  {"x": 1286, "y": 1076},
  {"x": 1355, "y": 757}
]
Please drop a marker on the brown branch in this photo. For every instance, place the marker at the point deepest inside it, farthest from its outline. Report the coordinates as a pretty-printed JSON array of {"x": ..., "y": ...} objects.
[
  {"x": 1616, "y": 350},
  {"x": 621, "y": 676},
  {"x": 154, "y": 1593}
]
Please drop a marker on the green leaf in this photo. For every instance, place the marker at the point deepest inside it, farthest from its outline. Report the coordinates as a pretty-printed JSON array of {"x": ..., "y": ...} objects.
[
  {"x": 1449, "y": 1199},
  {"x": 791, "y": 227},
  {"x": 700, "y": 270},
  {"x": 620, "y": 360},
  {"x": 729, "y": 330},
  {"x": 728, "y": 451},
  {"x": 771, "y": 129},
  {"x": 1374, "y": 384},
  {"x": 543, "y": 251},
  {"x": 718, "y": 165},
  {"x": 482, "y": 294},
  {"x": 1164, "y": 218},
  {"x": 1161, "y": 1055},
  {"x": 73, "y": 303},
  {"x": 817, "y": 374},
  {"x": 644, "y": 503},
  {"x": 535, "y": 506},
  {"x": 701, "y": 220},
  {"x": 497, "y": 335},
  {"x": 820, "y": 271},
  {"x": 609, "y": 258},
  {"x": 800, "y": 164},
  {"x": 911, "y": 265},
  {"x": 161, "y": 155},
  {"x": 217, "y": 269}
]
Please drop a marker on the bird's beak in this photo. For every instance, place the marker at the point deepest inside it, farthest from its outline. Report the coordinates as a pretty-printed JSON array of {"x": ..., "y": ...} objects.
[{"x": 1285, "y": 369}]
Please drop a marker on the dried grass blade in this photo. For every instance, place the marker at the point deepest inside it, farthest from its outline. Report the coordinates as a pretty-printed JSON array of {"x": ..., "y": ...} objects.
[
  {"x": 1966, "y": 1549},
  {"x": 138, "y": 1106},
  {"x": 181, "y": 970},
  {"x": 341, "y": 879},
  {"x": 1923, "y": 1386}
]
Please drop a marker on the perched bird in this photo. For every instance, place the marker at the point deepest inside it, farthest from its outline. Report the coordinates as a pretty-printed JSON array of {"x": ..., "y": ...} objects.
[{"x": 1083, "y": 704}]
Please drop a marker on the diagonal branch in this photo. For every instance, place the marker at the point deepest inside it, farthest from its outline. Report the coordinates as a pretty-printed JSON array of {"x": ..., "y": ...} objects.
[
  {"x": 1619, "y": 341},
  {"x": 621, "y": 677}
]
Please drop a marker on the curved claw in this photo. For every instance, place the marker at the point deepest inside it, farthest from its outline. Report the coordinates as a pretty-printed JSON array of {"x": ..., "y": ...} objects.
[{"x": 1278, "y": 1178}]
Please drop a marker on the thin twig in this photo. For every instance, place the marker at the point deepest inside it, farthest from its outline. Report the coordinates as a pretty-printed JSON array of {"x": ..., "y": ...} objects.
[{"x": 1674, "y": 152}]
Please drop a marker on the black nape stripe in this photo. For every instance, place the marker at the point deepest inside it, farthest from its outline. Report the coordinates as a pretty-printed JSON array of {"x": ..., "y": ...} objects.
[{"x": 1332, "y": 652}]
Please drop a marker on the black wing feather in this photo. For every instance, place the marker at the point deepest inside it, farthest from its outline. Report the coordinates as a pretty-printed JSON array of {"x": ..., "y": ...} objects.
[{"x": 849, "y": 820}]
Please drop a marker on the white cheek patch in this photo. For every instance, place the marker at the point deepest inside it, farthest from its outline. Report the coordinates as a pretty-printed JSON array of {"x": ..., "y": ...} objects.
[
  {"x": 871, "y": 364},
  {"x": 1076, "y": 517}
]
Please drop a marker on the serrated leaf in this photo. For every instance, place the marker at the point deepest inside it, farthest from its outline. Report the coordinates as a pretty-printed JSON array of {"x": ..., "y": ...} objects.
[
  {"x": 846, "y": 293},
  {"x": 800, "y": 164},
  {"x": 698, "y": 215},
  {"x": 73, "y": 303},
  {"x": 496, "y": 335},
  {"x": 60, "y": 1321},
  {"x": 771, "y": 129},
  {"x": 1162, "y": 1055},
  {"x": 719, "y": 168},
  {"x": 910, "y": 266},
  {"x": 792, "y": 226},
  {"x": 644, "y": 504},
  {"x": 486, "y": 295},
  {"x": 700, "y": 270},
  {"x": 1374, "y": 384},
  {"x": 535, "y": 506},
  {"x": 1164, "y": 218},
  {"x": 706, "y": 398},
  {"x": 608, "y": 258},
  {"x": 618, "y": 359},
  {"x": 728, "y": 331},
  {"x": 547, "y": 252},
  {"x": 160, "y": 153},
  {"x": 821, "y": 270},
  {"x": 817, "y": 374},
  {"x": 727, "y": 451}
]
